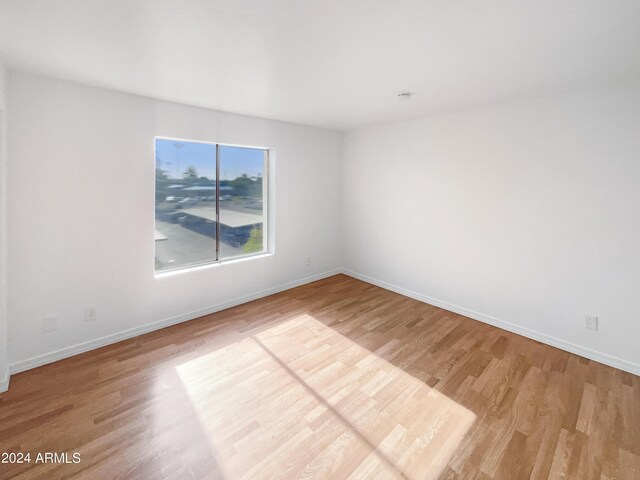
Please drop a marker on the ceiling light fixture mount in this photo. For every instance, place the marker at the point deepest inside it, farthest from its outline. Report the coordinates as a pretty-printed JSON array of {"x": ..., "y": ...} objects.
[{"x": 406, "y": 95}]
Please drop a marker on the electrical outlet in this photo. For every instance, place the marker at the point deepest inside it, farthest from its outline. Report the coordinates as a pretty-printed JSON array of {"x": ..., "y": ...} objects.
[
  {"x": 308, "y": 261},
  {"x": 90, "y": 314},
  {"x": 49, "y": 324},
  {"x": 591, "y": 322}
]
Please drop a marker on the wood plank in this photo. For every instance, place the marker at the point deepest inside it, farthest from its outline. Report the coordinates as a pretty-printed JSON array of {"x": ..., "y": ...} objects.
[{"x": 332, "y": 380}]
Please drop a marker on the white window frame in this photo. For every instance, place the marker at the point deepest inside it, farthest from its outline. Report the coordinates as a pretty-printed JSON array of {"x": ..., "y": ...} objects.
[{"x": 268, "y": 198}]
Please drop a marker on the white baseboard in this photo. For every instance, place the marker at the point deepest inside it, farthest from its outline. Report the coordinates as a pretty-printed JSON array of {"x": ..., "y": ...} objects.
[
  {"x": 589, "y": 353},
  {"x": 5, "y": 377},
  {"x": 70, "y": 351}
]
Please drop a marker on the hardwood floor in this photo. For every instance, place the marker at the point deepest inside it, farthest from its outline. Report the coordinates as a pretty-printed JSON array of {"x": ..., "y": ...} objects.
[{"x": 336, "y": 379}]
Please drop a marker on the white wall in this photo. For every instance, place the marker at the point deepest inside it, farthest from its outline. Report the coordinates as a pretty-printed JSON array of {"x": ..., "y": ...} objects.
[
  {"x": 81, "y": 213},
  {"x": 522, "y": 215},
  {"x": 527, "y": 213},
  {"x": 4, "y": 365}
]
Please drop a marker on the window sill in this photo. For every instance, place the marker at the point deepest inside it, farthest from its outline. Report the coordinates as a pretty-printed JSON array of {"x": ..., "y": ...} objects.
[{"x": 195, "y": 268}]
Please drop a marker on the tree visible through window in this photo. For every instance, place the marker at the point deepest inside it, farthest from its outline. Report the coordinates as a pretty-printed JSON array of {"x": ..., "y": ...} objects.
[{"x": 210, "y": 202}]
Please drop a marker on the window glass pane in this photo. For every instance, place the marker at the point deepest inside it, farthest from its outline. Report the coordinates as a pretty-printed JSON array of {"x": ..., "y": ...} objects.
[
  {"x": 185, "y": 204},
  {"x": 242, "y": 201}
]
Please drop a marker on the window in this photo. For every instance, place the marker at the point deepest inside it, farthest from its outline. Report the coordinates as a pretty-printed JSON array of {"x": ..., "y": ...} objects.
[{"x": 211, "y": 202}]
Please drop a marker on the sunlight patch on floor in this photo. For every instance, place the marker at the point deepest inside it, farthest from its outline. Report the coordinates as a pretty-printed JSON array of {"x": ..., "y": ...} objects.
[{"x": 300, "y": 400}]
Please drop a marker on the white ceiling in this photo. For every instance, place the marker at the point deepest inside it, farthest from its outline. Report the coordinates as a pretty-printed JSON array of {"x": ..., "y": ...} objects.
[{"x": 331, "y": 63}]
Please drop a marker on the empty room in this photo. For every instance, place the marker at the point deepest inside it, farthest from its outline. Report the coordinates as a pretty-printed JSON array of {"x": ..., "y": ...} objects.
[{"x": 319, "y": 239}]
